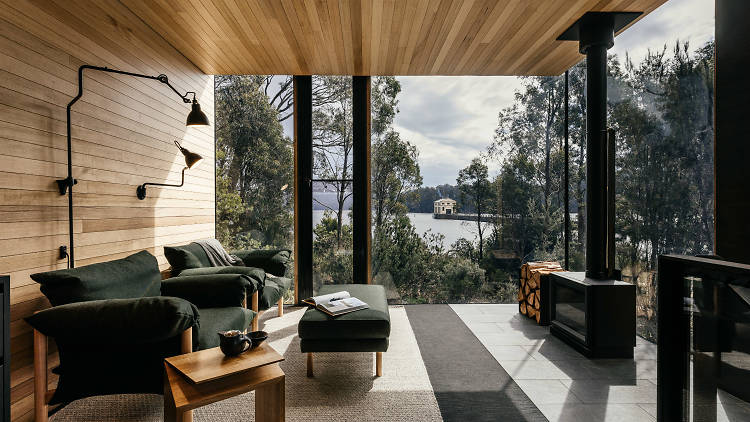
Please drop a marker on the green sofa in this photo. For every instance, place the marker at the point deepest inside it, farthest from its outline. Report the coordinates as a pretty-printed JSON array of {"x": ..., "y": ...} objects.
[
  {"x": 268, "y": 268},
  {"x": 115, "y": 322}
]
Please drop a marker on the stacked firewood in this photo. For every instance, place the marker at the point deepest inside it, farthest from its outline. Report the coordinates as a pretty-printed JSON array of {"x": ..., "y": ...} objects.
[{"x": 533, "y": 290}]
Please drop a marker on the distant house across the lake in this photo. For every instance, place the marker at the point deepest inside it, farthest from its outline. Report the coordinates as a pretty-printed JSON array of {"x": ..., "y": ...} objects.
[{"x": 445, "y": 206}]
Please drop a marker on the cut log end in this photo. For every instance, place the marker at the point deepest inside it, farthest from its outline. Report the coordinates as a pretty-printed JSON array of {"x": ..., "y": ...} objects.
[{"x": 529, "y": 295}]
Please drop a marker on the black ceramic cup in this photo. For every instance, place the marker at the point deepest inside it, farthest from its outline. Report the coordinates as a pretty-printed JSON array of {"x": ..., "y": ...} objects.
[{"x": 232, "y": 342}]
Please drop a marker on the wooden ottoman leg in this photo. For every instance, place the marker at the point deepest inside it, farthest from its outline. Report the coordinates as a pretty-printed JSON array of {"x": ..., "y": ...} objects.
[
  {"x": 379, "y": 364},
  {"x": 254, "y": 307},
  {"x": 269, "y": 402},
  {"x": 309, "y": 365},
  {"x": 280, "y": 304}
]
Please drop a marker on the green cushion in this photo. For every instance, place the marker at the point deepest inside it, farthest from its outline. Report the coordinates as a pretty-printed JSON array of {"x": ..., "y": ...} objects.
[
  {"x": 272, "y": 291},
  {"x": 350, "y": 345},
  {"x": 187, "y": 256},
  {"x": 117, "y": 321},
  {"x": 273, "y": 261},
  {"x": 372, "y": 323},
  {"x": 134, "y": 276},
  {"x": 257, "y": 275},
  {"x": 210, "y": 290},
  {"x": 214, "y": 320}
]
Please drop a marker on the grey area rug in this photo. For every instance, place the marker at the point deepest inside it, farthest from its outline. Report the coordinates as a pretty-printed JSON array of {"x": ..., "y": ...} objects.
[
  {"x": 468, "y": 382},
  {"x": 344, "y": 387}
]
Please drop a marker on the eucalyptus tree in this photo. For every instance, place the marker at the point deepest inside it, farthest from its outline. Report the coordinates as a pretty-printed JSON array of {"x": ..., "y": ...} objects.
[
  {"x": 254, "y": 167},
  {"x": 475, "y": 188}
]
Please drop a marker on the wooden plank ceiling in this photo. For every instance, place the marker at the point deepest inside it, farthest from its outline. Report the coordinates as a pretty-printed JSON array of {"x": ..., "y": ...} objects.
[{"x": 372, "y": 37}]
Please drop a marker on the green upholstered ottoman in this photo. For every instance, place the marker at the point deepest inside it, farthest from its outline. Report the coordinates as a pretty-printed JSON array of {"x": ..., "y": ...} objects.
[{"x": 366, "y": 330}]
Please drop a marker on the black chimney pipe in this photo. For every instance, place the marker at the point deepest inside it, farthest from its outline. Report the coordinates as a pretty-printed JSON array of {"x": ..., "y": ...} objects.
[{"x": 595, "y": 33}]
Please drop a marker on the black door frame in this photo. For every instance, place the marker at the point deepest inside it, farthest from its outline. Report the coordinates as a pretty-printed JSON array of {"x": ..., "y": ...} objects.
[
  {"x": 303, "y": 177},
  {"x": 303, "y": 257},
  {"x": 361, "y": 204}
]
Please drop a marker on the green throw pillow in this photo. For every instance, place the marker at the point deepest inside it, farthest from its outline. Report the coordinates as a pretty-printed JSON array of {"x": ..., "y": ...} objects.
[
  {"x": 181, "y": 259},
  {"x": 132, "y": 277}
]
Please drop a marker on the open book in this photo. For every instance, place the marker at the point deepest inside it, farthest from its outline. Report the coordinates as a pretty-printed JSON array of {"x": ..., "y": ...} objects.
[{"x": 335, "y": 304}]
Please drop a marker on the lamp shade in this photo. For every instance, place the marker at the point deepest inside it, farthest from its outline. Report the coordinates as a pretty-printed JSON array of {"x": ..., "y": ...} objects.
[
  {"x": 191, "y": 159},
  {"x": 196, "y": 116}
]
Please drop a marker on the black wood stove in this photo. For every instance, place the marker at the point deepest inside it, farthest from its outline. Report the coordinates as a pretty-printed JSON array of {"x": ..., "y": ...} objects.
[{"x": 594, "y": 311}]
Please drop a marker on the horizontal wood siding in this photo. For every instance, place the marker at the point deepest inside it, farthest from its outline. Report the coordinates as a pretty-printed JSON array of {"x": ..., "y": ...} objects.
[{"x": 123, "y": 133}]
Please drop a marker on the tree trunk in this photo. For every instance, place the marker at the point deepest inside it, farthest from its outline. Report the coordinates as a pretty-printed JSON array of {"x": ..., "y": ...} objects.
[{"x": 481, "y": 242}]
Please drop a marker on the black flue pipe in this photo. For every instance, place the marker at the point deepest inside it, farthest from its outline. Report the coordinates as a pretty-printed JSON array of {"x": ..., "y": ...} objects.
[
  {"x": 595, "y": 33},
  {"x": 596, "y": 36}
]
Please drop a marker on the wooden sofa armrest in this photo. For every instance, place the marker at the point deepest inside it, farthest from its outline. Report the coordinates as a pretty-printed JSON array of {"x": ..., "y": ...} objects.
[{"x": 254, "y": 307}]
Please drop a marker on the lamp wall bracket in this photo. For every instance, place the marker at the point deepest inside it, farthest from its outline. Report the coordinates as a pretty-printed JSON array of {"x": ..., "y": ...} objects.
[{"x": 64, "y": 184}]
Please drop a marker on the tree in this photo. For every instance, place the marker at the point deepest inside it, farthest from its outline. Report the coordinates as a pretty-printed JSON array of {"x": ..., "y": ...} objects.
[
  {"x": 332, "y": 260},
  {"x": 577, "y": 160},
  {"x": 333, "y": 143},
  {"x": 664, "y": 122},
  {"x": 531, "y": 129},
  {"x": 399, "y": 251},
  {"x": 281, "y": 96},
  {"x": 661, "y": 109},
  {"x": 395, "y": 171},
  {"x": 475, "y": 188},
  {"x": 253, "y": 166},
  {"x": 394, "y": 161},
  {"x": 517, "y": 188}
]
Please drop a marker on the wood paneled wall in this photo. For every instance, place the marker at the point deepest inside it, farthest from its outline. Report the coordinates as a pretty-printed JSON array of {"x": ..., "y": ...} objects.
[{"x": 123, "y": 131}]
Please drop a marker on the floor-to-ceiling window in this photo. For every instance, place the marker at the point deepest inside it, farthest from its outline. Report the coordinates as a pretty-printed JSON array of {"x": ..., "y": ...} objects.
[
  {"x": 333, "y": 149},
  {"x": 254, "y": 162},
  {"x": 436, "y": 179},
  {"x": 661, "y": 102}
]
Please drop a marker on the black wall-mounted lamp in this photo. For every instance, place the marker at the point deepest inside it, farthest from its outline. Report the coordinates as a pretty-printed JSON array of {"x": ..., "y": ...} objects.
[
  {"x": 195, "y": 118},
  {"x": 191, "y": 160}
]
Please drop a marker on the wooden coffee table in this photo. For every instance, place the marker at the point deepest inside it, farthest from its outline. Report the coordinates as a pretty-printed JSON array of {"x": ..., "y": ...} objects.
[{"x": 196, "y": 379}]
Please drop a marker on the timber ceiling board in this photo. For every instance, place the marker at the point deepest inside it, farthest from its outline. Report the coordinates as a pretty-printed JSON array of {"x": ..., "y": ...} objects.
[{"x": 375, "y": 37}]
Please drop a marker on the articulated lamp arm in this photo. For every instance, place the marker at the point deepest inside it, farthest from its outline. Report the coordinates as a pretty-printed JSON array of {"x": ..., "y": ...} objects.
[
  {"x": 195, "y": 118},
  {"x": 141, "y": 191}
]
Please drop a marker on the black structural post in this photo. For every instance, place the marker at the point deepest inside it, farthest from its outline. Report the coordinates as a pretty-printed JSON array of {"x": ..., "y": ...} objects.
[
  {"x": 731, "y": 146},
  {"x": 303, "y": 157},
  {"x": 566, "y": 196},
  {"x": 361, "y": 203}
]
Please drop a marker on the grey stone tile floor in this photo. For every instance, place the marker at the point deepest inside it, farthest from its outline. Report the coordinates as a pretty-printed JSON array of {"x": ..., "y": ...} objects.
[{"x": 565, "y": 385}]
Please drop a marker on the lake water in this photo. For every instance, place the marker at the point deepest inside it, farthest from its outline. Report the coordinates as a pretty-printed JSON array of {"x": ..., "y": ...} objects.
[{"x": 451, "y": 229}]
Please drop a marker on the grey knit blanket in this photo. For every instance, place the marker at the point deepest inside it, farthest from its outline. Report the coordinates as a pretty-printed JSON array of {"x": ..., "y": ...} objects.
[{"x": 217, "y": 255}]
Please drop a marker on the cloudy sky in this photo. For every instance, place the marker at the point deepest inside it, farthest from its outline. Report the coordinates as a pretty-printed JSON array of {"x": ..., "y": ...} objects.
[{"x": 452, "y": 119}]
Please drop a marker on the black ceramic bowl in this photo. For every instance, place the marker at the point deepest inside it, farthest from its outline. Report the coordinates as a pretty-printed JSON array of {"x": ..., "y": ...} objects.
[{"x": 257, "y": 338}]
